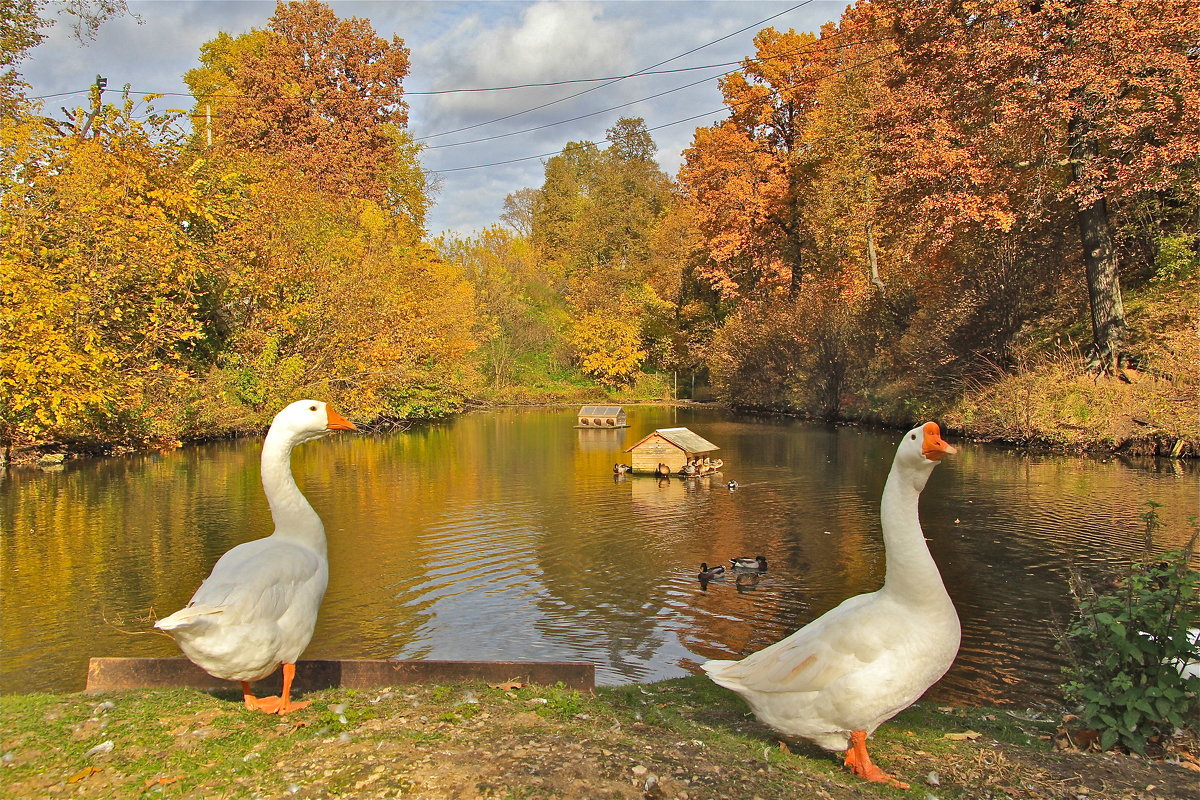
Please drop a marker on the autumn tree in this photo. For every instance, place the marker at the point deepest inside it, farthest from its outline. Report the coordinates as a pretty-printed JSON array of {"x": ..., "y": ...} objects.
[
  {"x": 745, "y": 174},
  {"x": 324, "y": 92},
  {"x": 1006, "y": 111},
  {"x": 595, "y": 216},
  {"x": 19, "y": 32},
  {"x": 95, "y": 283},
  {"x": 518, "y": 318}
]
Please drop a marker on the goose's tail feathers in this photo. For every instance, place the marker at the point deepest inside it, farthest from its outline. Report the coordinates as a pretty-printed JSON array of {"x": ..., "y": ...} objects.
[
  {"x": 187, "y": 617},
  {"x": 715, "y": 670}
]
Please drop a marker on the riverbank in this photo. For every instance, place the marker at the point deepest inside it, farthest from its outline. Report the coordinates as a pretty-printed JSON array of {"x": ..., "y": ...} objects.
[
  {"x": 684, "y": 739},
  {"x": 1127, "y": 427}
]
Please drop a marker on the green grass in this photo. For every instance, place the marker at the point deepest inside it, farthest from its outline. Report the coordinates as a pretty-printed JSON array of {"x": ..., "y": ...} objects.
[{"x": 530, "y": 741}]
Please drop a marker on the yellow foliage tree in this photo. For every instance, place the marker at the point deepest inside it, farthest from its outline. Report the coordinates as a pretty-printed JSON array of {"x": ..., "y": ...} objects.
[
  {"x": 607, "y": 347},
  {"x": 95, "y": 304}
]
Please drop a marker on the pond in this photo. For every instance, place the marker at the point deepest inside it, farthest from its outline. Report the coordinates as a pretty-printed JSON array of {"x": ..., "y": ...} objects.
[{"x": 505, "y": 535}]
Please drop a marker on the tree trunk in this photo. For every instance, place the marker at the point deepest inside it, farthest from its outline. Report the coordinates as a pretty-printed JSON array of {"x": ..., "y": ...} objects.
[
  {"x": 875, "y": 279},
  {"x": 1099, "y": 257}
]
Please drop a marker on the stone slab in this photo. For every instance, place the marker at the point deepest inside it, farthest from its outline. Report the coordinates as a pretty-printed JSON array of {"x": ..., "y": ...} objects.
[{"x": 108, "y": 674}]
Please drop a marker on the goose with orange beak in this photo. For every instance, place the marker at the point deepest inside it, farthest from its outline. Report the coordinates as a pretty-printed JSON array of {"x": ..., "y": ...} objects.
[
  {"x": 258, "y": 608},
  {"x": 838, "y": 678}
]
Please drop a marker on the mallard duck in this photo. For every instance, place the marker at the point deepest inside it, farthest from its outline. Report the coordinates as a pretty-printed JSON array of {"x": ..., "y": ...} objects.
[
  {"x": 745, "y": 562},
  {"x": 732, "y": 484},
  {"x": 746, "y": 581},
  {"x": 838, "y": 678},
  {"x": 707, "y": 574},
  {"x": 258, "y": 607}
]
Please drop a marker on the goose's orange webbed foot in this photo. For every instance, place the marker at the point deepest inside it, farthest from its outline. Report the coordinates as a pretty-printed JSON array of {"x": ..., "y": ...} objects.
[
  {"x": 286, "y": 706},
  {"x": 268, "y": 705},
  {"x": 860, "y": 763}
]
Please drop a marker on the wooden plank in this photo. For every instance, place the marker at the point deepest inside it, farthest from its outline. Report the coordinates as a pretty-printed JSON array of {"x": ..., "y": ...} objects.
[{"x": 108, "y": 674}]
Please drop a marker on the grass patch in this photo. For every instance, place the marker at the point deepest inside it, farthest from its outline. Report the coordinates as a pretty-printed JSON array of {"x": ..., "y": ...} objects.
[{"x": 674, "y": 739}]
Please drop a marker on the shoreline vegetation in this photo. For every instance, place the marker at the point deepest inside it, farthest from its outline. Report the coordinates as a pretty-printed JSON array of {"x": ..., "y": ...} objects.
[
  {"x": 681, "y": 739},
  {"x": 1125, "y": 431},
  {"x": 1021, "y": 266}
]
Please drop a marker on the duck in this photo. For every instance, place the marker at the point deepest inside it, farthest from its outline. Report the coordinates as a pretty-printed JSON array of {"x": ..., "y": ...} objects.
[
  {"x": 746, "y": 581},
  {"x": 745, "y": 562},
  {"x": 620, "y": 469},
  {"x": 732, "y": 484},
  {"x": 258, "y": 607},
  {"x": 707, "y": 574},
  {"x": 835, "y": 680}
]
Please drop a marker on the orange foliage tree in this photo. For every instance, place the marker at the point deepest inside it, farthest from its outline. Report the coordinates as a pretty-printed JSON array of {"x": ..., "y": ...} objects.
[
  {"x": 325, "y": 92},
  {"x": 1008, "y": 115},
  {"x": 744, "y": 174}
]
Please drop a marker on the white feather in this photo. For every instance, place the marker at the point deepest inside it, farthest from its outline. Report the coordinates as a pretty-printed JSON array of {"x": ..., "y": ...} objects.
[{"x": 874, "y": 654}]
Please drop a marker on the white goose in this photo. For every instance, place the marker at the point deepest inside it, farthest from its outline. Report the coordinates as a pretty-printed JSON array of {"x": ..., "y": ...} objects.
[
  {"x": 836, "y": 679},
  {"x": 259, "y": 606}
]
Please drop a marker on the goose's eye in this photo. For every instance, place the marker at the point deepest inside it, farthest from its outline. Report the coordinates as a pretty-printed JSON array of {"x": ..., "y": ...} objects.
[
  {"x": 913, "y": 437},
  {"x": 314, "y": 408}
]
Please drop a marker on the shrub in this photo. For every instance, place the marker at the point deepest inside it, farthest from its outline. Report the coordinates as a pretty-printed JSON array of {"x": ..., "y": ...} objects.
[{"x": 1127, "y": 642}]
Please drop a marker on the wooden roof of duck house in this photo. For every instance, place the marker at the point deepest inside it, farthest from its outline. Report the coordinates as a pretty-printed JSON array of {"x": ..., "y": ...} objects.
[
  {"x": 670, "y": 446},
  {"x": 602, "y": 417}
]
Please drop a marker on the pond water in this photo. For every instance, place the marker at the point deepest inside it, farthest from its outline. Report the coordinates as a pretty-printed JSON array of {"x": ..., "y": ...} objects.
[{"x": 504, "y": 535}]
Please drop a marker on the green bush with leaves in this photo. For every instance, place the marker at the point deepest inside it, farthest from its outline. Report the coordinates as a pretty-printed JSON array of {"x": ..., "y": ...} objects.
[{"x": 1127, "y": 643}]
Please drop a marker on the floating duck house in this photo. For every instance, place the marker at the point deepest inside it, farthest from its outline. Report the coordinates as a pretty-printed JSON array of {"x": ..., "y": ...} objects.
[
  {"x": 670, "y": 446},
  {"x": 602, "y": 417}
]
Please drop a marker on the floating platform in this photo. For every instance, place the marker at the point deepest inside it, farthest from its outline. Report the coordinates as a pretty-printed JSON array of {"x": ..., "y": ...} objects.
[{"x": 111, "y": 674}]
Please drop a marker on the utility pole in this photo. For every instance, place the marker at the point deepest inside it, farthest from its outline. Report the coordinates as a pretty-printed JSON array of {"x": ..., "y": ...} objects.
[{"x": 97, "y": 91}]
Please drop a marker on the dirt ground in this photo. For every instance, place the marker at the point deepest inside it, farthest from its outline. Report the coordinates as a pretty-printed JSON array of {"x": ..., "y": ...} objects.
[{"x": 685, "y": 740}]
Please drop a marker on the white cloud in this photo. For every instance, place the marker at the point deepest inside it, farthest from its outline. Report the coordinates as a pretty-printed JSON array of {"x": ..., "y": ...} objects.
[{"x": 457, "y": 44}]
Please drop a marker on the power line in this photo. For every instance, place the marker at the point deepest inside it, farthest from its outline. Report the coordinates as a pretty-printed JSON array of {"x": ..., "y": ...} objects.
[
  {"x": 609, "y": 83},
  {"x": 651, "y": 97},
  {"x": 773, "y": 92}
]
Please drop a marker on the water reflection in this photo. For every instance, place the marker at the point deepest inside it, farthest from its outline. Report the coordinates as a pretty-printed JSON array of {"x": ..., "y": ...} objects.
[{"x": 506, "y": 535}]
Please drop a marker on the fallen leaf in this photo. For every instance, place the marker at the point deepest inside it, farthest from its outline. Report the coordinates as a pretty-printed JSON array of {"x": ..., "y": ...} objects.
[
  {"x": 507, "y": 685},
  {"x": 1190, "y": 765},
  {"x": 86, "y": 772},
  {"x": 783, "y": 746},
  {"x": 959, "y": 737},
  {"x": 163, "y": 781}
]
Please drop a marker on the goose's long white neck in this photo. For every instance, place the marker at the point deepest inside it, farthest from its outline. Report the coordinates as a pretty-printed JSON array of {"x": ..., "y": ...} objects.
[
  {"x": 295, "y": 520},
  {"x": 912, "y": 575}
]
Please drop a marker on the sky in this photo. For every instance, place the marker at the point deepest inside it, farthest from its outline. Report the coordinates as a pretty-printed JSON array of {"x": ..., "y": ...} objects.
[{"x": 458, "y": 45}]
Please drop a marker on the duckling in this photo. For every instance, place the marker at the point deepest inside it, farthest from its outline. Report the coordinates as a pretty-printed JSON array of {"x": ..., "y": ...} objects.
[{"x": 745, "y": 562}]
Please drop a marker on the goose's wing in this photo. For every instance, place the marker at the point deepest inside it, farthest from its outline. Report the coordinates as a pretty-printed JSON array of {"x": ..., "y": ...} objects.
[
  {"x": 255, "y": 580},
  {"x": 821, "y": 652}
]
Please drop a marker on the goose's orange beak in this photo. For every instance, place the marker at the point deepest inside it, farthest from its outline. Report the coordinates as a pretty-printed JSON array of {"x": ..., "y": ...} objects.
[
  {"x": 935, "y": 446},
  {"x": 336, "y": 422}
]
